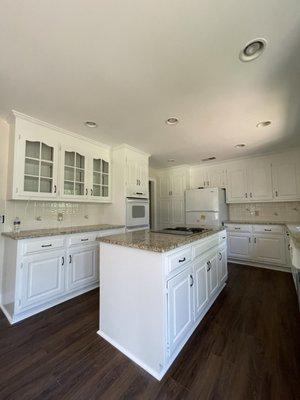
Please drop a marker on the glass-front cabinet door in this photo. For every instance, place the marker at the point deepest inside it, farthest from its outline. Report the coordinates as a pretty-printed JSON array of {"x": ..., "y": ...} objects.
[
  {"x": 74, "y": 174},
  {"x": 100, "y": 179},
  {"x": 38, "y": 178}
]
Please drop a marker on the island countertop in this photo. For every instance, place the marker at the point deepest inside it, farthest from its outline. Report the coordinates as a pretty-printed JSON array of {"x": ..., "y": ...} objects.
[
  {"x": 35, "y": 233},
  {"x": 154, "y": 241}
]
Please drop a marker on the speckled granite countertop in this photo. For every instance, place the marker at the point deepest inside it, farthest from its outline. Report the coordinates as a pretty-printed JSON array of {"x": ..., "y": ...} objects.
[
  {"x": 153, "y": 241},
  {"x": 35, "y": 233},
  {"x": 294, "y": 230},
  {"x": 256, "y": 222}
]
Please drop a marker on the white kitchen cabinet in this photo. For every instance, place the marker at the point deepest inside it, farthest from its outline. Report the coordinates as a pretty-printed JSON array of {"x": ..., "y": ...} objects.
[
  {"x": 215, "y": 177},
  {"x": 200, "y": 286},
  {"x": 259, "y": 179},
  {"x": 286, "y": 177},
  {"x": 269, "y": 249},
  {"x": 37, "y": 162},
  {"x": 239, "y": 246},
  {"x": 198, "y": 177},
  {"x": 164, "y": 184},
  {"x": 222, "y": 265},
  {"x": 165, "y": 212},
  {"x": 212, "y": 267},
  {"x": 83, "y": 265},
  {"x": 237, "y": 190},
  {"x": 47, "y": 163},
  {"x": 180, "y": 307},
  {"x": 178, "y": 183},
  {"x": 42, "y": 278},
  {"x": 137, "y": 172},
  {"x": 178, "y": 211}
]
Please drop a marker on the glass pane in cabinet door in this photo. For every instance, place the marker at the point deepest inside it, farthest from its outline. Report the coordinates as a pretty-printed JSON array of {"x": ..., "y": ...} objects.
[
  {"x": 96, "y": 178},
  {"x": 31, "y": 184},
  {"x": 32, "y": 167},
  {"x": 97, "y": 165},
  {"x": 79, "y": 175},
  {"x": 32, "y": 149},
  {"x": 47, "y": 152},
  {"x": 79, "y": 161},
  {"x": 104, "y": 179},
  {"x": 70, "y": 158},
  {"x": 68, "y": 188},
  {"x": 96, "y": 190},
  {"x": 69, "y": 174},
  {"x": 79, "y": 189},
  {"x": 104, "y": 191},
  {"x": 46, "y": 185},
  {"x": 105, "y": 167},
  {"x": 46, "y": 169}
]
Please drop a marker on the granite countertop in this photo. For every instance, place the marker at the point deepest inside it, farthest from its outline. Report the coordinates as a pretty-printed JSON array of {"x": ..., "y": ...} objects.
[
  {"x": 256, "y": 222},
  {"x": 35, "y": 233},
  {"x": 154, "y": 241},
  {"x": 294, "y": 230}
]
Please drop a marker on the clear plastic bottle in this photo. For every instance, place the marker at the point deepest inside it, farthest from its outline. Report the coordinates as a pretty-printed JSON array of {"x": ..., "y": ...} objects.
[{"x": 17, "y": 225}]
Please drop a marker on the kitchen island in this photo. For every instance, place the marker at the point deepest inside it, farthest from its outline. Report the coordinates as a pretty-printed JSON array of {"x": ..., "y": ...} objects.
[{"x": 155, "y": 289}]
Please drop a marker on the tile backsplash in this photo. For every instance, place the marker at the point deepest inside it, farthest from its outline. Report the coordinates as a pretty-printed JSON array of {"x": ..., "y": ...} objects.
[
  {"x": 42, "y": 214},
  {"x": 272, "y": 212}
]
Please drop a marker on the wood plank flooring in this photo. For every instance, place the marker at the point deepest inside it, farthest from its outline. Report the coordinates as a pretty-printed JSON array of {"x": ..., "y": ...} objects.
[{"x": 247, "y": 347}]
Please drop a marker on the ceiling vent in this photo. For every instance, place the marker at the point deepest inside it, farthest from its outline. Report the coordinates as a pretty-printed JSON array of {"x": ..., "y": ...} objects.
[{"x": 208, "y": 159}]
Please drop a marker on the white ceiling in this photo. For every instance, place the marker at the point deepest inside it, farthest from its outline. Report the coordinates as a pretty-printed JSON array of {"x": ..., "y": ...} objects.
[{"x": 131, "y": 64}]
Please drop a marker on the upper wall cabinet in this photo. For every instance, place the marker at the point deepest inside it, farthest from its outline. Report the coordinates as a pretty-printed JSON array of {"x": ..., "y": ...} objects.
[
  {"x": 137, "y": 173},
  {"x": 50, "y": 164},
  {"x": 286, "y": 177},
  {"x": 212, "y": 176},
  {"x": 173, "y": 182}
]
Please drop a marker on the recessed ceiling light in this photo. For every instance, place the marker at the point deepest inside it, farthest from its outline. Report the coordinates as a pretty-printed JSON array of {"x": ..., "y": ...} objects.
[
  {"x": 90, "y": 124},
  {"x": 253, "y": 50},
  {"x": 171, "y": 160},
  {"x": 263, "y": 124},
  {"x": 240, "y": 145},
  {"x": 208, "y": 159},
  {"x": 172, "y": 121}
]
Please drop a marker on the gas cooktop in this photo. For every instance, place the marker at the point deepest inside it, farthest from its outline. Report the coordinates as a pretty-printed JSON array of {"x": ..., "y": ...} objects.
[{"x": 183, "y": 230}]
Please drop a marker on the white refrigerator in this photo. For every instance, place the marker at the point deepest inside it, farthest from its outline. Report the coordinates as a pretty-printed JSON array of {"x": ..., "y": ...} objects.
[{"x": 205, "y": 207}]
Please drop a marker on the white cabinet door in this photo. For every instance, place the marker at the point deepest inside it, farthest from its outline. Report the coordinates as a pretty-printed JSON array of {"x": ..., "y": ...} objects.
[
  {"x": 132, "y": 177},
  {"x": 42, "y": 278},
  {"x": 165, "y": 212},
  {"x": 198, "y": 177},
  {"x": 268, "y": 248},
  {"x": 74, "y": 174},
  {"x": 286, "y": 183},
  {"x": 260, "y": 181},
  {"x": 178, "y": 211},
  {"x": 143, "y": 179},
  {"x": 164, "y": 185},
  {"x": 239, "y": 246},
  {"x": 200, "y": 286},
  {"x": 178, "y": 184},
  {"x": 98, "y": 181},
  {"x": 38, "y": 167},
  {"x": 216, "y": 177},
  {"x": 82, "y": 267},
  {"x": 180, "y": 307},
  {"x": 237, "y": 183},
  {"x": 212, "y": 275},
  {"x": 222, "y": 265}
]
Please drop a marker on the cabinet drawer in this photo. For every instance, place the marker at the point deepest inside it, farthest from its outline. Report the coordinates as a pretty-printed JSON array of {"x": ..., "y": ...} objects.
[
  {"x": 222, "y": 237},
  {"x": 278, "y": 229},
  {"x": 239, "y": 228},
  {"x": 205, "y": 245},
  {"x": 179, "y": 259},
  {"x": 82, "y": 238},
  {"x": 43, "y": 244}
]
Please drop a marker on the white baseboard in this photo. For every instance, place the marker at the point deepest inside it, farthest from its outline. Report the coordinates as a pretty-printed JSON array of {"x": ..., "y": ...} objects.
[
  {"x": 13, "y": 319},
  {"x": 282, "y": 268},
  {"x": 159, "y": 374}
]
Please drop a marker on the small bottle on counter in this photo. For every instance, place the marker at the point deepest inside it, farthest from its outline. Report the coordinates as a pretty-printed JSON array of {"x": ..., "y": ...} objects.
[{"x": 17, "y": 225}]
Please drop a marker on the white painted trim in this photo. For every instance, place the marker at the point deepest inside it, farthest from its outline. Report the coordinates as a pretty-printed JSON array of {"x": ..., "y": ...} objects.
[
  {"x": 58, "y": 129},
  {"x": 127, "y": 146},
  {"x": 35, "y": 310},
  {"x": 258, "y": 265},
  {"x": 130, "y": 355}
]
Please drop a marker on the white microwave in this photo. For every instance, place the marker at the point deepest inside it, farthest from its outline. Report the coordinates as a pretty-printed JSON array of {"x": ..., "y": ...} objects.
[{"x": 137, "y": 213}]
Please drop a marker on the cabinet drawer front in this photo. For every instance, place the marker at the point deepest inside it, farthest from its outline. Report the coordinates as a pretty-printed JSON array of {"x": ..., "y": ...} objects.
[
  {"x": 43, "y": 244},
  {"x": 179, "y": 259},
  {"x": 205, "y": 245},
  {"x": 81, "y": 239},
  {"x": 278, "y": 229},
  {"x": 239, "y": 228},
  {"x": 222, "y": 237}
]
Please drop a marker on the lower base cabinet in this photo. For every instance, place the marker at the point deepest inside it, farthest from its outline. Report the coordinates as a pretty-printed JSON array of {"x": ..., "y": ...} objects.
[
  {"x": 42, "y": 278},
  {"x": 190, "y": 292}
]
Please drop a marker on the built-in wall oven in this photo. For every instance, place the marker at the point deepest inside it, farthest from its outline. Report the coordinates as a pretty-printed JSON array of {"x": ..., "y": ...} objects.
[{"x": 137, "y": 213}]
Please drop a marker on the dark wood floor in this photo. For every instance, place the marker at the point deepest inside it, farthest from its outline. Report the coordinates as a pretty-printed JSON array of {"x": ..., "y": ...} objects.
[{"x": 247, "y": 347}]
